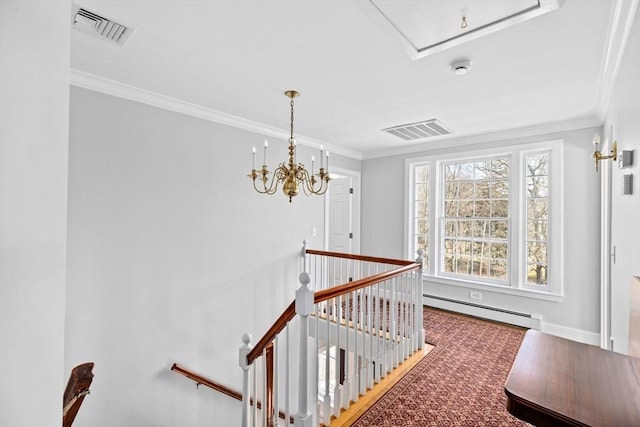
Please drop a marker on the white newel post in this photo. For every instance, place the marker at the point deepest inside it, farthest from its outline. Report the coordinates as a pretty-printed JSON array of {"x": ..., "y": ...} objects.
[
  {"x": 419, "y": 309},
  {"x": 304, "y": 307},
  {"x": 242, "y": 358}
]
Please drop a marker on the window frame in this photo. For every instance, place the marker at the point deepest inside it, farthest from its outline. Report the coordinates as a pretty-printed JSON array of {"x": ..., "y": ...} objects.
[{"x": 516, "y": 282}]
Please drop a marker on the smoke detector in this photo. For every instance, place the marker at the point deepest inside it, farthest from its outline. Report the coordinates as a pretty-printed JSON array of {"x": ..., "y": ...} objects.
[
  {"x": 460, "y": 67},
  {"x": 96, "y": 25}
]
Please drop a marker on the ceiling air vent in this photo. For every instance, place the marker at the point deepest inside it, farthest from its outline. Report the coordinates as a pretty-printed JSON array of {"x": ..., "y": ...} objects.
[
  {"x": 99, "y": 26},
  {"x": 419, "y": 130}
]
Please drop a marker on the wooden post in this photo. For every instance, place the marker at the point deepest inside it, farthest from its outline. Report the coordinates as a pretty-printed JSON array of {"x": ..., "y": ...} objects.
[
  {"x": 242, "y": 358},
  {"x": 304, "y": 307},
  {"x": 269, "y": 395}
]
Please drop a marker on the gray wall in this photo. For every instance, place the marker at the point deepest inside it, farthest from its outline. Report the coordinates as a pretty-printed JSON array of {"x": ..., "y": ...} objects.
[
  {"x": 172, "y": 257},
  {"x": 383, "y": 233},
  {"x": 34, "y": 99},
  {"x": 624, "y": 116}
]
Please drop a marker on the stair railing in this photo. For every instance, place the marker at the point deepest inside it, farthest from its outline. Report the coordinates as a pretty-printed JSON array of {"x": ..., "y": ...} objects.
[{"x": 354, "y": 320}]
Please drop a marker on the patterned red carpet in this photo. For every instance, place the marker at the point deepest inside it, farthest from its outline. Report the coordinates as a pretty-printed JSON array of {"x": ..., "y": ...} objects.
[{"x": 459, "y": 383}]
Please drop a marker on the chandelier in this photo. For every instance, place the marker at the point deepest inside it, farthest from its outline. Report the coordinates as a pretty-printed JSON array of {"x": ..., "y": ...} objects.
[{"x": 292, "y": 176}]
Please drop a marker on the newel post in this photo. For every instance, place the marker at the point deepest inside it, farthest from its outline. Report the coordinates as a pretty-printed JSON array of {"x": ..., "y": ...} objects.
[
  {"x": 304, "y": 307},
  {"x": 418, "y": 303},
  {"x": 242, "y": 359}
]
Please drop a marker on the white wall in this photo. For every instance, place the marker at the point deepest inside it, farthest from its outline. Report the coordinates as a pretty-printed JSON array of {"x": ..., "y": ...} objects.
[
  {"x": 34, "y": 99},
  {"x": 624, "y": 116},
  {"x": 172, "y": 257},
  {"x": 577, "y": 315}
]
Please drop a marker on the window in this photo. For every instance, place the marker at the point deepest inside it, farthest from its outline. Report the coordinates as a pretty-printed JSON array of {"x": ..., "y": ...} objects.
[
  {"x": 476, "y": 219},
  {"x": 421, "y": 210},
  {"x": 537, "y": 214},
  {"x": 487, "y": 219}
]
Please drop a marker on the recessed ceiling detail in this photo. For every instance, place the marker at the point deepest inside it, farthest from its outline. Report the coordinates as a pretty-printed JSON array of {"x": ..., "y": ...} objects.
[
  {"x": 427, "y": 27},
  {"x": 99, "y": 26},
  {"x": 419, "y": 130}
]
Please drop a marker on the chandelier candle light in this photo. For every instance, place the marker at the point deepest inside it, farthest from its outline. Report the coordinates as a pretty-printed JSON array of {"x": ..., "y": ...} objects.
[{"x": 292, "y": 176}]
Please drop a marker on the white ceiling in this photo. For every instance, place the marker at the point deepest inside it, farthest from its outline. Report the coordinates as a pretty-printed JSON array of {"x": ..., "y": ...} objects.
[{"x": 355, "y": 78}]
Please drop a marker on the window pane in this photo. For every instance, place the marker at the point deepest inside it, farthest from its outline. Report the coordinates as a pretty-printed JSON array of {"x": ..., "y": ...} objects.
[
  {"x": 421, "y": 221},
  {"x": 465, "y": 208},
  {"x": 499, "y": 229},
  {"x": 422, "y": 226},
  {"x": 451, "y": 190},
  {"x": 482, "y": 189},
  {"x": 500, "y": 208},
  {"x": 537, "y": 215},
  {"x": 498, "y": 269},
  {"x": 537, "y": 274},
  {"x": 422, "y": 192},
  {"x": 499, "y": 189},
  {"x": 537, "y": 208},
  {"x": 476, "y": 191},
  {"x": 450, "y": 228},
  {"x": 480, "y": 229},
  {"x": 465, "y": 189},
  {"x": 500, "y": 168},
  {"x": 537, "y": 231},
  {"x": 537, "y": 186},
  {"x": 482, "y": 209},
  {"x": 537, "y": 164},
  {"x": 451, "y": 209}
]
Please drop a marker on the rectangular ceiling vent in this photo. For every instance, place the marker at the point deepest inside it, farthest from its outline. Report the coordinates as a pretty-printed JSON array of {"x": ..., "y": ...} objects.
[
  {"x": 99, "y": 26},
  {"x": 419, "y": 130}
]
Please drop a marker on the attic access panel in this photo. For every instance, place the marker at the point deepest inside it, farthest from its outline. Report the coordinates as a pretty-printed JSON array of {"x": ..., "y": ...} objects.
[{"x": 427, "y": 27}]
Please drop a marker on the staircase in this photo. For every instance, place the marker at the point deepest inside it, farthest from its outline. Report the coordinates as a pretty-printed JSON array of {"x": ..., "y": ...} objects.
[{"x": 354, "y": 320}]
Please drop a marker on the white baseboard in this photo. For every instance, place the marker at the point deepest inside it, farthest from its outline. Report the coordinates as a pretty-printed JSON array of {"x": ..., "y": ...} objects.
[
  {"x": 489, "y": 313},
  {"x": 573, "y": 334},
  {"x": 532, "y": 321}
]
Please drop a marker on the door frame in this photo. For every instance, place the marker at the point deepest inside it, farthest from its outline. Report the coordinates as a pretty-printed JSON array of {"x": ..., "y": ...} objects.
[{"x": 355, "y": 208}]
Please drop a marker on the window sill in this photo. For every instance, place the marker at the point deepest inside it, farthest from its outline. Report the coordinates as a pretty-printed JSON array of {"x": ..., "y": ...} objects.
[{"x": 501, "y": 289}]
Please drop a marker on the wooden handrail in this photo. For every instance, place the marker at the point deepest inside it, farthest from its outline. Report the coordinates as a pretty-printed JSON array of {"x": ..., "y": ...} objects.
[
  {"x": 359, "y": 257},
  {"x": 286, "y": 316},
  {"x": 324, "y": 295},
  {"x": 75, "y": 392},
  {"x": 327, "y": 294},
  {"x": 199, "y": 379}
]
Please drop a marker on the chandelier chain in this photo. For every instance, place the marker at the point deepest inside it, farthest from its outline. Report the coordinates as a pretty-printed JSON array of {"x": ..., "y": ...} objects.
[{"x": 291, "y": 126}]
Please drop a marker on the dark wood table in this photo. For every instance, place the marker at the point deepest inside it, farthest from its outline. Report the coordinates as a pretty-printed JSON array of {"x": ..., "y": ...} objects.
[{"x": 558, "y": 382}]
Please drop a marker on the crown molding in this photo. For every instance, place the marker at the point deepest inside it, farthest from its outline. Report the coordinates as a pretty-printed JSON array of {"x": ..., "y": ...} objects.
[
  {"x": 449, "y": 141},
  {"x": 121, "y": 90},
  {"x": 621, "y": 20}
]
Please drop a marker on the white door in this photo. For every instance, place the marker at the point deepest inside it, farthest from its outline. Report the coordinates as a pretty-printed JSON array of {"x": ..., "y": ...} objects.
[
  {"x": 343, "y": 212},
  {"x": 340, "y": 214}
]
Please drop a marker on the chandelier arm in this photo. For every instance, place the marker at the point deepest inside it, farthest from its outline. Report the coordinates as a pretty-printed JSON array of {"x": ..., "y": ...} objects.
[
  {"x": 314, "y": 184},
  {"x": 270, "y": 189}
]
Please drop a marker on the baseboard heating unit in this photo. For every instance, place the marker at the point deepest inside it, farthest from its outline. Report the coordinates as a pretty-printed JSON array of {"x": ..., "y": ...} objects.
[{"x": 484, "y": 311}]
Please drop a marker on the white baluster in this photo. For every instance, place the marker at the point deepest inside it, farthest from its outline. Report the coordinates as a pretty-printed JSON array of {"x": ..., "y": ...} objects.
[
  {"x": 304, "y": 307},
  {"x": 419, "y": 309},
  {"x": 337, "y": 390},
  {"x": 355, "y": 384},
  {"x": 242, "y": 359},
  {"x": 287, "y": 379}
]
